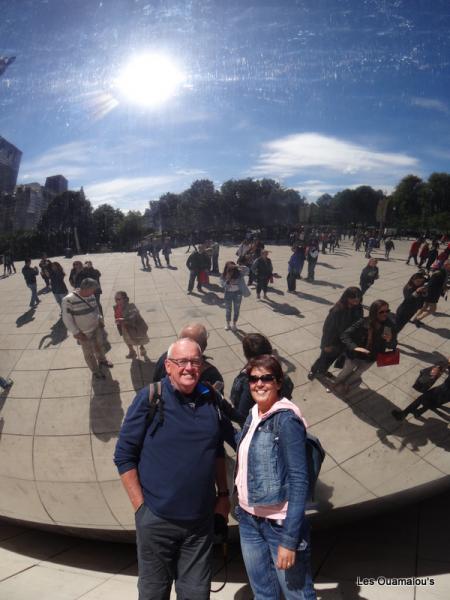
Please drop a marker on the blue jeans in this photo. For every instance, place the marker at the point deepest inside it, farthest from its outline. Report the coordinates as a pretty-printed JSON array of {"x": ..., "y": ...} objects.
[
  {"x": 259, "y": 544},
  {"x": 34, "y": 296},
  {"x": 232, "y": 299},
  {"x": 173, "y": 550}
]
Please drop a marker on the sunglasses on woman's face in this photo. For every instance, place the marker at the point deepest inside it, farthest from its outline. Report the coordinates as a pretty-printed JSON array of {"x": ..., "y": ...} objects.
[
  {"x": 383, "y": 312},
  {"x": 267, "y": 378}
]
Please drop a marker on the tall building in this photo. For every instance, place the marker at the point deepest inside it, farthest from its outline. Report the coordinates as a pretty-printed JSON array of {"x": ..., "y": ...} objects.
[
  {"x": 10, "y": 158},
  {"x": 57, "y": 184},
  {"x": 31, "y": 200}
]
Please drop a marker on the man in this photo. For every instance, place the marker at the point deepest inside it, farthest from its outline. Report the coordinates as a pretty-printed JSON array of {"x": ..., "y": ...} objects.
[
  {"x": 29, "y": 274},
  {"x": 168, "y": 470},
  {"x": 81, "y": 316},
  {"x": 197, "y": 261},
  {"x": 198, "y": 333},
  {"x": 414, "y": 251}
]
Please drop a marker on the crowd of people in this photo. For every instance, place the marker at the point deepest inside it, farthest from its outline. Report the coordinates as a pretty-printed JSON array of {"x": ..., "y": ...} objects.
[{"x": 170, "y": 451}]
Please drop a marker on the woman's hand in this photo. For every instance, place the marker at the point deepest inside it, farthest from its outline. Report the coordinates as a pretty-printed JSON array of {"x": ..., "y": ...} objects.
[
  {"x": 362, "y": 350},
  {"x": 285, "y": 558},
  {"x": 387, "y": 337}
]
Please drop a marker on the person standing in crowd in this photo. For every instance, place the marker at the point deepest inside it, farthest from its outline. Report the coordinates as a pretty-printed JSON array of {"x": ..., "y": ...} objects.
[
  {"x": 90, "y": 272},
  {"x": 431, "y": 397},
  {"x": 167, "y": 250},
  {"x": 414, "y": 294},
  {"x": 295, "y": 267},
  {"x": 423, "y": 254},
  {"x": 191, "y": 243},
  {"x": 368, "y": 275},
  {"x": 142, "y": 251},
  {"x": 45, "y": 266},
  {"x": 388, "y": 247},
  {"x": 81, "y": 316},
  {"x": 272, "y": 483},
  {"x": 76, "y": 275},
  {"x": 169, "y": 469},
  {"x": 8, "y": 262},
  {"x": 130, "y": 324},
  {"x": 363, "y": 340},
  {"x": 233, "y": 283},
  {"x": 29, "y": 273},
  {"x": 253, "y": 345},
  {"x": 371, "y": 244},
  {"x": 342, "y": 315},
  {"x": 414, "y": 251},
  {"x": 312, "y": 256},
  {"x": 197, "y": 263},
  {"x": 262, "y": 269},
  {"x": 215, "y": 249},
  {"x": 435, "y": 288},
  {"x": 154, "y": 249},
  {"x": 432, "y": 255},
  {"x": 198, "y": 333},
  {"x": 6, "y": 382},
  {"x": 59, "y": 287}
]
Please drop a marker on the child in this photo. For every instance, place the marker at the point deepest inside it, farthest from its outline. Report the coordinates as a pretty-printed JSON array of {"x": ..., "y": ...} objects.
[{"x": 130, "y": 324}]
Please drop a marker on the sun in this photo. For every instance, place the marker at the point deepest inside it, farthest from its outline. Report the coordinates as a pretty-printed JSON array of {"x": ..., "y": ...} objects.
[{"x": 149, "y": 80}]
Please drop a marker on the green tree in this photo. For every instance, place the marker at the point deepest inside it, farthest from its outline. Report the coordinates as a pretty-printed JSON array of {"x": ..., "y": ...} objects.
[
  {"x": 107, "y": 222},
  {"x": 131, "y": 229},
  {"x": 67, "y": 213}
]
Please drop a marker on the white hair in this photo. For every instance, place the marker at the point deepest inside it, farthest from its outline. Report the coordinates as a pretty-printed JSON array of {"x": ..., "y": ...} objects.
[{"x": 176, "y": 342}]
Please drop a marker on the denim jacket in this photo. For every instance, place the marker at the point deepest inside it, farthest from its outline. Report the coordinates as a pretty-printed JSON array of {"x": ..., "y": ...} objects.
[{"x": 277, "y": 471}]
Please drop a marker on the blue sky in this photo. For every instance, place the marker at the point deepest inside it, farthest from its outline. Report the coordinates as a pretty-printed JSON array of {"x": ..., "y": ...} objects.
[{"x": 318, "y": 94}]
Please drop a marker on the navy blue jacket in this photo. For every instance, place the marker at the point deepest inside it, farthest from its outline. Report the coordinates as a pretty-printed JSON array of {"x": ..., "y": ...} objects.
[{"x": 176, "y": 459}]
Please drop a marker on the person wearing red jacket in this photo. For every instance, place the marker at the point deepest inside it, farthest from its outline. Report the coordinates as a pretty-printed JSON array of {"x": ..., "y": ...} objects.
[{"x": 414, "y": 251}]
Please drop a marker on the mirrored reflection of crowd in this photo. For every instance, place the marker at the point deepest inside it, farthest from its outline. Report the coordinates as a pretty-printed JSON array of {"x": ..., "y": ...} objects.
[{"x": 170, "y": 452}]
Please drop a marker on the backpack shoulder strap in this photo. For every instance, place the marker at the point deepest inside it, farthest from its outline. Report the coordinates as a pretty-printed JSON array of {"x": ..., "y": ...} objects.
[{"x": 155, "y": 402}]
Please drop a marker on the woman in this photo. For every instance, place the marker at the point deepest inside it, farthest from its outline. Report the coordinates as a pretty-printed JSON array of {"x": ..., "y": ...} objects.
[
  {"x": 130, "y": 324},
  {"x": 363, "y": 340},
  {"x": 432, "y": 255},
  {"x": 344, "y": 313},
  {"x": 295, "y": 266},
  {"x": 388, "y": 247},
  {"x": 312, "y": 255},
  {"x": 232, "y": 281},
  {"x": 414, "y": 294},
  {"x": 90, "y": 272},
  {"x": 76, "y": 274},
  {"x": 167, "y": 251},
  {"x": 368, "y": 275},
  {"x": 435, "y": 288},
  {"x": 59, "y": 287},
  {"x": 272, "y": 486},
  {"x": 262, "y": 269},
  {"x": 45, "y": 266}
]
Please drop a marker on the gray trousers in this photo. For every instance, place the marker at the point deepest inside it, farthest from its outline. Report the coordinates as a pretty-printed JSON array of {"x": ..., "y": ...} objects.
[
  {"x": 170, "y": 551},
  {"x": 93, "y": 349},
  {"x": 352, "y": 371}
]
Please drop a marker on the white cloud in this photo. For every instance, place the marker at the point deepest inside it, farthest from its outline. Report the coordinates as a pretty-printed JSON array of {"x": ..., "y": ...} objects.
[
  {"x": 293, "y": 154},
  {"x": 431, "y": 104},
  {"x": 130, "y": 192},
  {"x": 313, "y": 188}
]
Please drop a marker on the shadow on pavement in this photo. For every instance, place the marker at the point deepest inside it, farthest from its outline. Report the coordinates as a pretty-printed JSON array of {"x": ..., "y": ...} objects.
[
  {"x": 27, "y": 317},
  {"x": 58, "y": 334},
  {"x": 106, "y": 412}
]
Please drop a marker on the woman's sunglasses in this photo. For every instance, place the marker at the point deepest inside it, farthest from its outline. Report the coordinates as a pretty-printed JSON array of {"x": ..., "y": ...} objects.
[{"x": 264, "y": 378}]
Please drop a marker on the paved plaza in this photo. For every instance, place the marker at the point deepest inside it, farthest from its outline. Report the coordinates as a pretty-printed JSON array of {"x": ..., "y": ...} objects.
[{"x": 59, "y": 426}]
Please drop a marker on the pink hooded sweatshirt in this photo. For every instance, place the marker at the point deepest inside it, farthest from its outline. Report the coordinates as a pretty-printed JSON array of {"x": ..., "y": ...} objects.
[{"x": 276, "y": 511}]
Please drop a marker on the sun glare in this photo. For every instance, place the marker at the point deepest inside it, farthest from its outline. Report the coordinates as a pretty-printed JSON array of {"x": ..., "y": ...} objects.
[{"x": 149, "y": 80}]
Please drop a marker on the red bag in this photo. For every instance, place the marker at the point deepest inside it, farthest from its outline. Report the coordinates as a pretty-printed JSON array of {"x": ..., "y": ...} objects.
[
  {"x": 385, "y": 359},
  {"x": 203, "y": 278}
]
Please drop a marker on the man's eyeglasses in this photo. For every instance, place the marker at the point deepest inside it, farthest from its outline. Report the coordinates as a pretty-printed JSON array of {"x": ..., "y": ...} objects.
[
  {"x": 267, "y": 378},
  {"x": 183, "y": 362}
]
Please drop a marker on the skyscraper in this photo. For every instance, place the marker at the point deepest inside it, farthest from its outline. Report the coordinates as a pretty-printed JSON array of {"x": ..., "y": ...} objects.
[
  {"x": 10, "y": 158},
  {"x": 57, "y": 184}
]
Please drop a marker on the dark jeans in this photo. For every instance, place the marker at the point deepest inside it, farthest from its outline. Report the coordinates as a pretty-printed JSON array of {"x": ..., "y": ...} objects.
[
  {"x": 193, "y": 275},
  {"x": 215, "y": 263},
  {"x": 311, "y": 269},
  {"x": 34, "y": 297},
  {"x": 292, "y": 280},
  {"x": 325, "y": 360},
  {"x": 261, "y": 285},
  {"x": 170, "y": 551},
  {"x": 414, "y": 257}
]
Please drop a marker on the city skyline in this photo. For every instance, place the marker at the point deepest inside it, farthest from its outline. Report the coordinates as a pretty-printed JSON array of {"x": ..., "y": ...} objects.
[{"x": 318, "y": 95}]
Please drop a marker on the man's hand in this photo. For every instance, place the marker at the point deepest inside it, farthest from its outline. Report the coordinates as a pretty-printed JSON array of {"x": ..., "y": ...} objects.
[
  {"x": 222, "y": 507},
  {"x": 285, "y": 558},
  {"x": 362, "y": 350}
]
